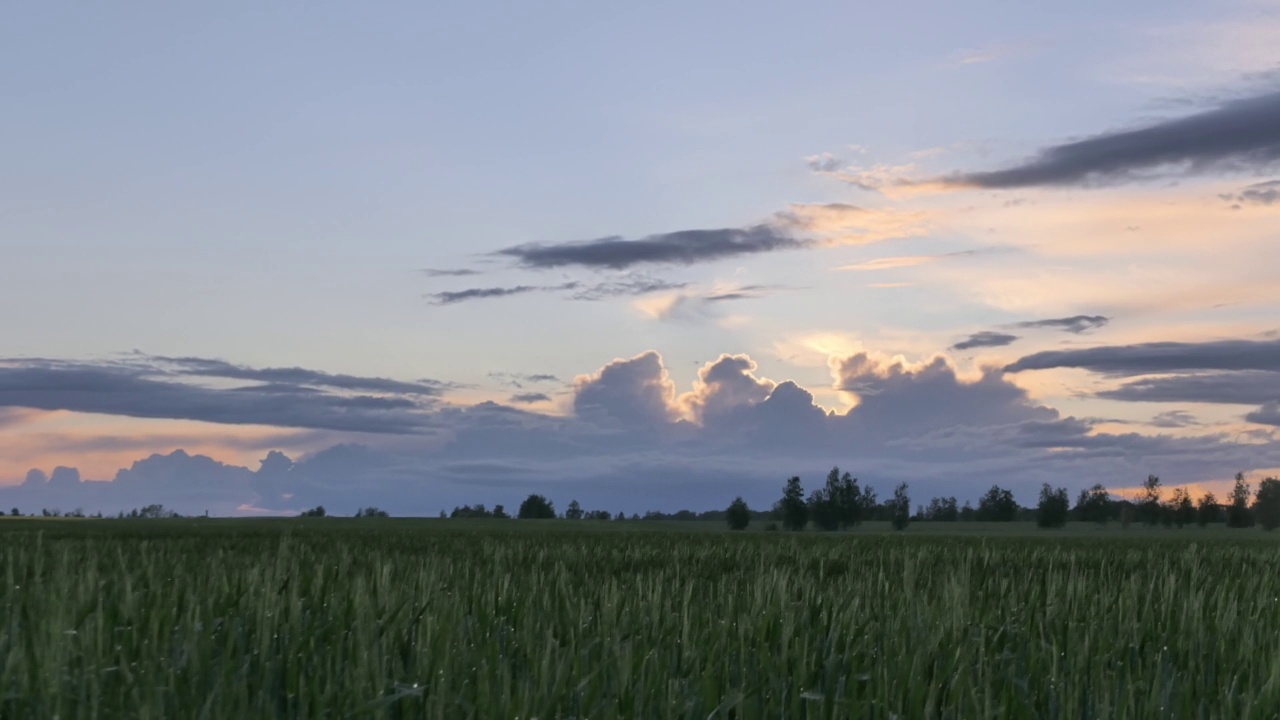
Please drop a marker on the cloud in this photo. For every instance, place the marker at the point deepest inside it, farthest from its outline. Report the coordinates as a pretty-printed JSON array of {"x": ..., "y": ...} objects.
[
  {"x": 630, "y": 284},
  {"x": 985, "y": 339},
  {"x": 1174, "y": 419},
  {"x": 1242, "y": 387},
  {"x": 697, "y": 305},
  {"x": 891, "y": 263},
  {"x": 1159, "y": 357},
  {"x": 1239, "y": 135},
  {"x": 844, "y": 224},
  {"x": 1268, "y": 414},
  {"x": 134, "y": 389},
  {"x": 449, "y": 272},
  {"x": 633, "y": 444},
  {"x": 453, "y": 297},
  {"x": 634, "y": 392},
  {"x": 1075, "y": 324},
  {"x": 684, "y": 247},
  {"x": 1263, "y": 193},
  {"x": 529, "y": 398},
  {"x": 823, "y": 162},
  {"x": 294, "y": 378}
]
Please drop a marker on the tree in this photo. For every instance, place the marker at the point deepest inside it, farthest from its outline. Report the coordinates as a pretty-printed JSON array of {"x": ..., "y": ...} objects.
[
  {"x": 500, "y": 513},
  {"x": 371, "y": 512},
  {"x": 1094, "y": 505},
  {"x": 536, "y": 507},
  {"x": 1238, "y": 515},
  {"x": 997, "y": 505},
  {"x": 738, "y": 514},
  {"x": 967, "y": 513},
  {"x": 1181, "y": 510},
  {"x": 792, "y": 507},
  {"x": 1053, "y": 508},
  {"x": 1208, "y": 510},
  {"x": 1149, "y": 501},
  {"x": 15, "y": 513},
  {"x": 942, "y": 510},
  {"x": 1266, "y": 504},
  {"x": 317, "y": 512},
  {"x": 574, "y": 512},
  {"x": 901, "y": 505}
]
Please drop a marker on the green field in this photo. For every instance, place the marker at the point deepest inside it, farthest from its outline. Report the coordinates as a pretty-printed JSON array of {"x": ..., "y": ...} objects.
[{"x": 555, "y": 619}]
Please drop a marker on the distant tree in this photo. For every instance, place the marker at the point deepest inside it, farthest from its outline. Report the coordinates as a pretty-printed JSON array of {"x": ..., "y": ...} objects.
[
  {"x": 824, "y": 503},
  {"x": 1149, "y": 501},
  {"x": 1093, "y": 505},
  {"x": 1181, "y": 511},
  {"x": 1053, "y": 508},
  {"x": 997, "y": 505},
  {"x": 1266, "y": 504},
  {"x": 15, "y": 512},
  {"x": 941, "y": 510},
  {"x": 738, "y": 514},
  {"x": 574, "y": 511},
  {"x": 1238, "y": 515},
  {"x": 371, "y": 512},
  {"x": 967, "y": 513},
  {"x": 317, "y": 511},
  {"x": 901, "y": 505},
  {"x": 1208, "y": 510},
  {"x": 500, "y": 513},
  {"x": 792, "y": 508},
  {"x": 536, "y": 507},
  {"x": 620, "y": 517},
  {"x": 635, "y": 516}
]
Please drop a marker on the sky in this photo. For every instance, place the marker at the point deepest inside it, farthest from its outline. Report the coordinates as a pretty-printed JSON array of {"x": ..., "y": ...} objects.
[{"x": 256, "y": 257}]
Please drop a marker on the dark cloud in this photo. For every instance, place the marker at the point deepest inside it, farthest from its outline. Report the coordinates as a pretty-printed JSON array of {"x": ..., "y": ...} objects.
[
  {"x": 1237, "y": 135},
  {"x": 530, "y": 397},
  {"x": 1242, "y": 387},
  {"x": 1268, "y": 414},
  {"x": 293, "y": 379},
  {"x": 449, "y": 272},
  {"x": 628, "y": 285},
  {"x": 985, "y": 339},
  {"x": 634, "y": 392},
  {"x": 451, "y": 297},
  {"x": 1160, "y": 357},
  {"x": 134, "y": 392},
  {"x": 1263, "y": 193},
  {"x": 684, "y": 247},
  {"x": 1075, "y": 324}
]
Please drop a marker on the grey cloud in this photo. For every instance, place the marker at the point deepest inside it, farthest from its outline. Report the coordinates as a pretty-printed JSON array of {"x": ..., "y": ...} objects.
[
  {"x": 629, "y": 285},
  {"x": 1263, "y": 193},
  {"x": 531, "y": 397},
  {"x": 113, "y": 390},
  {"x": 1160, "y": 357},
  {"x": 449, "y": 272},
  {"x": 985, "y": 339},
  {"x": 1243, "y": 387},
  {"x": 1241, "y": 134},
  {"x": 1268, "y": 414},
  {"x": 1174, "y": 419},
  {"x": 280, "y": 379},
  {"x": 451, "y": 297},
  {"x": 684, "y": 247},
  {"x": 1075, "y": 324},
  {"x": 823, "y": 163}
]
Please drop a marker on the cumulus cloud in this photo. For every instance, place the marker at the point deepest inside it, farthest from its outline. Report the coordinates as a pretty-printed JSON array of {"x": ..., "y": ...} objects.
[
  {"x": 1239, "y": 135},
  {"x": 635, "y": 392},
  {"x": 985, "y": 339},
  {"x": 1075, "y": 324},
  {"x": 684, "y": 247},
  {"x": 1159, "y": 357},
  {"x": 1268, "y": 414}
]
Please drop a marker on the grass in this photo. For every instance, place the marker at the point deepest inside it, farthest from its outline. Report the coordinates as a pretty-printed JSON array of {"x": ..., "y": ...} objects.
[{"x": 474, "y": 619}]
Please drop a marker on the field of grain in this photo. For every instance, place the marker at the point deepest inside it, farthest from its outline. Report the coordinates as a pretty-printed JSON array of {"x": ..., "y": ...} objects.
[{"x": 395, "y": 619}]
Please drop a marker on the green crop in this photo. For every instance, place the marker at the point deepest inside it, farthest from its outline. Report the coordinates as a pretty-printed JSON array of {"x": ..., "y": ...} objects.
[{"x": 172, "y": 619}]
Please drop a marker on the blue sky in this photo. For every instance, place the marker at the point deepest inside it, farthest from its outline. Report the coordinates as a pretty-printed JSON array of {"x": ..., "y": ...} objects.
[{"x": 280, "y": 185}]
